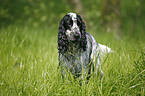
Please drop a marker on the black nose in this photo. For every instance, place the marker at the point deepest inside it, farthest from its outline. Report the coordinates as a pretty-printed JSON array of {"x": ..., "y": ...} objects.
[{"x": 77, "y": 36}]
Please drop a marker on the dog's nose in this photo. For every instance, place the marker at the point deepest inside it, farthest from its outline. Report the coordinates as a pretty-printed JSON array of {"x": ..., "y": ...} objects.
[{"x": 77, "y": 36}]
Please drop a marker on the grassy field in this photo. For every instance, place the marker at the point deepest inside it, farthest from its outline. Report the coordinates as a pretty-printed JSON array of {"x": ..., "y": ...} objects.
[{"x": 28, "y": 65}]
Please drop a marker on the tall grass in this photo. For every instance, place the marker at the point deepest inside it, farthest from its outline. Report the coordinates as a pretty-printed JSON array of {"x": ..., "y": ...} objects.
[{"x": 28, "y": 65}]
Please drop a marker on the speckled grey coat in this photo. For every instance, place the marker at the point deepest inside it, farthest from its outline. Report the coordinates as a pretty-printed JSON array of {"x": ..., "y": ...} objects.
[{"x": 75, "y": 59}]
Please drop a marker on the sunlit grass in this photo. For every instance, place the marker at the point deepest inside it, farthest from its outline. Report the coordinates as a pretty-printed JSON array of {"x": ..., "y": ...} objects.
[{"x": 28, "y": 65}]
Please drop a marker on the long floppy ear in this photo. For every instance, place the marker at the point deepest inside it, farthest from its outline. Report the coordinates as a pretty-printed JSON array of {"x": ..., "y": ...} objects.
[
  {"x": 83, "y": 38},
  {"x": 62, "y": 39},
  {"x": 82, "y": 26}
]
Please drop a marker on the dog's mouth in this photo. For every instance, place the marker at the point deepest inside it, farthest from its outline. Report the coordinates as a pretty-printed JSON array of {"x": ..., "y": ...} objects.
[{"x": 75, "y": 38}]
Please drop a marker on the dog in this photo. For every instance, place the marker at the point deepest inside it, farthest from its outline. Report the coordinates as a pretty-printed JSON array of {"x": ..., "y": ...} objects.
[{"x": 78, "y": 51}]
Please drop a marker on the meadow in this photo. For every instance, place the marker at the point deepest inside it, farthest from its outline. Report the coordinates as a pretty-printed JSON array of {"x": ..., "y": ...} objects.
[
  {"x": 29, "y": 55},
  {"x": 28, "y": 65}
]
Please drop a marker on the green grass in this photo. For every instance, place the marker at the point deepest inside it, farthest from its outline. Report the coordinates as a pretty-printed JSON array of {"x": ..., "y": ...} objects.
[{"x": 28, "y": 65}]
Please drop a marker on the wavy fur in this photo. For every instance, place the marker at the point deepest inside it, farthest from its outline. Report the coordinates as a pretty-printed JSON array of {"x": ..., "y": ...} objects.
[
  {"x": 62, "y": 38},
  {"x": 77, "y": 49},
  {"x": 83, "y": 30}
]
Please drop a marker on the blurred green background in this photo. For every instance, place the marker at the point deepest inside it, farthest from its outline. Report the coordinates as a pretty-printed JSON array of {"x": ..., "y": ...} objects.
[
  {"x": 126, "y": 15},
  {"x": 28, "y": 47}
]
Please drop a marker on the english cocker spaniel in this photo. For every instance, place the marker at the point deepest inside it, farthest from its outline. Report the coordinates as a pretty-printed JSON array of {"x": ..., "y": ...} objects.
[{"x": 78, "y": 51}]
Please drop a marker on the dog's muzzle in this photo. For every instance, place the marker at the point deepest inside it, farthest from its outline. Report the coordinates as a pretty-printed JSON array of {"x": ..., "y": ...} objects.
[{"x": 77, "y": 36}]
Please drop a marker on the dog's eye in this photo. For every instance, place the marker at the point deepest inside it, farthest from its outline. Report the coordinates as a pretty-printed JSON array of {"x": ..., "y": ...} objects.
[{"x": 70, "y": 23}]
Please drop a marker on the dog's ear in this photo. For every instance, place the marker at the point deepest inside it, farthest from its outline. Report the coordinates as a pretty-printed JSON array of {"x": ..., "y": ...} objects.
[
  {"x": 82, "y": 27},
  {"x": 62, "y": 39},
  {"x": 83, "y": 38}
]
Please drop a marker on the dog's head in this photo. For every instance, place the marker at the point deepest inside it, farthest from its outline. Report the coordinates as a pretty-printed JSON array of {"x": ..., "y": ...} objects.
[{"x": 71, "y": 30}]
